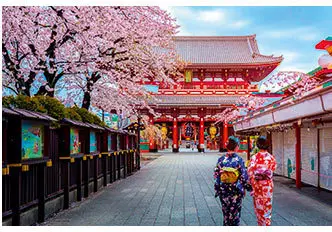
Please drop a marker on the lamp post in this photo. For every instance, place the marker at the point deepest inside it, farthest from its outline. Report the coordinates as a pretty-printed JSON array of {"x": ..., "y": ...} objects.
[{"x": 138, "y": 127}]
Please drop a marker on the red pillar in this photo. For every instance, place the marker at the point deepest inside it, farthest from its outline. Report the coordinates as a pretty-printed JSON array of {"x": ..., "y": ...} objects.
[
  {"x": 248, "y": 147},
  {"x": 221, "y": 146},
  {"x": 175, "y": 136},
  {"x": 298, "y": 155},
  {"x": 225, "y": 134},
  {"x": 201, "y": 135},
  {"x": 152, "y": 142}
]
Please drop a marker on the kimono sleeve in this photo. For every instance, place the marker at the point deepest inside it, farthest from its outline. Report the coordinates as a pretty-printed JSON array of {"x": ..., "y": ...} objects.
[
  {"x": 272, "y": 164},
  {"x": 251, "y": 167},
  {"x": 244, "y": 176},
  {"x": 216, "y": 175}
]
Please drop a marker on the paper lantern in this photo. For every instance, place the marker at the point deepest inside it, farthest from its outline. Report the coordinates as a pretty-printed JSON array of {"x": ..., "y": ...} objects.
[{"x": 325, "y": 61}]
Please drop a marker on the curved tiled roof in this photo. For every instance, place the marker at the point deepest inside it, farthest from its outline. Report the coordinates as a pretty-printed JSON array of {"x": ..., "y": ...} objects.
[{"x": 221, "y": 50}]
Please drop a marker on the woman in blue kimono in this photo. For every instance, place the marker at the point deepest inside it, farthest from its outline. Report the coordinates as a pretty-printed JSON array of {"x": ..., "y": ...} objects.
[{"x": 231, "y": 180}]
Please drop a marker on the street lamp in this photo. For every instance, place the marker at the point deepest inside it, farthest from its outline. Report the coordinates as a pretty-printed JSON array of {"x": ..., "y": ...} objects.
[{"x": 137, "y": 127}]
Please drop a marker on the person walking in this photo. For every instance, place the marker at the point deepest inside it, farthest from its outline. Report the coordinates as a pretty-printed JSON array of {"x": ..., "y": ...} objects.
[
  {"x": 260, "y": 171},
  {"x": 231, "y": 180}
]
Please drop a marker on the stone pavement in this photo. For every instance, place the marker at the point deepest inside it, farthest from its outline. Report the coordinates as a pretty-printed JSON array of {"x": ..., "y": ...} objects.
[{"x": 177, "y": 190}]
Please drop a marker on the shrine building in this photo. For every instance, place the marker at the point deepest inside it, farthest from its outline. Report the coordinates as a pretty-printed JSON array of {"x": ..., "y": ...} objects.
[{"x": 220, "y": 69}]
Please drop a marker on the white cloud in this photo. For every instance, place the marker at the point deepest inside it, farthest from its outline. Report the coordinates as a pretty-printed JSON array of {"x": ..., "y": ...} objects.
[
  {"x": 289, "y": 56},
  {"x": 295, "y": 68},
  {"x": 299, "y": 33},
  {"x": 207, "y": 19},
  {"x": 179, "y": 12},
  {"x": 211, "y": 16},
  {"x": 239, "y": 24}
]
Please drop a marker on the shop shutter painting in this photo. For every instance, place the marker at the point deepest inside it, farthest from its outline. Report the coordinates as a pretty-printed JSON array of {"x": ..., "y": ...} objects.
[
  {"x": 289, "y": 153},
  {"x": 278, "y": 151},
  {"x": 325, "y": 140},
  {"x": 309, "y": 156}
]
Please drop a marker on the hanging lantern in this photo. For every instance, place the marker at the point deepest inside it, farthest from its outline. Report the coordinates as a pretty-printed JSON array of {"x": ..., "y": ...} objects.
[
  {"x": 164, "y": 131},
  {"x": 325, "y": 61},
  {"x": 212, "y": 131}
]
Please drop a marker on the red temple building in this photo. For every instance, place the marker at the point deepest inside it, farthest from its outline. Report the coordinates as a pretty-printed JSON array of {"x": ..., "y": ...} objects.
[{"x": 220, "y": 69}]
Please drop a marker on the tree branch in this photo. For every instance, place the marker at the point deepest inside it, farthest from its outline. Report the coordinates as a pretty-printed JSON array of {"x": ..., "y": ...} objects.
[{"x": 12, "y": 89}]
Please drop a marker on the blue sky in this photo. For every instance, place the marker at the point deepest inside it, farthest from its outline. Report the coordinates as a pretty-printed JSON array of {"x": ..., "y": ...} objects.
[{"x": 289, "y": 31}]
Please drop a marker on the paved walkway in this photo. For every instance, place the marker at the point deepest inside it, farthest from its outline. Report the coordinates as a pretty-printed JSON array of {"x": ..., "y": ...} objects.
[{"x": 177, "y": 189}]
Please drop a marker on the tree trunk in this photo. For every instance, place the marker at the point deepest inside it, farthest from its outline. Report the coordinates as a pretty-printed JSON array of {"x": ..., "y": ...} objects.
[
  {"x": 87, "y": 94},
  {"x": 86, "y": 100},
  {"x": 42, "y": 91}
]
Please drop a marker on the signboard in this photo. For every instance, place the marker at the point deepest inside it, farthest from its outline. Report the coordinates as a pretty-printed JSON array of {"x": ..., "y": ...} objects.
[
  {"x": 74, "y": 141},
  {"x": 93, "y": 142},
  {"x": 112, "y": 121},
  {"x": 188, "y": 75},
  {"x": 32, "y": 140},
  {"x": 109, "y": 142}
]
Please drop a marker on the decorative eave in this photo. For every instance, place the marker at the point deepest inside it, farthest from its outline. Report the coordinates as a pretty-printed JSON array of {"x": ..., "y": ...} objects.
[
  {"x": 274, "y": 63},
  {"x": 314, "y": 102},
  {"x": 195, "y": 100}
]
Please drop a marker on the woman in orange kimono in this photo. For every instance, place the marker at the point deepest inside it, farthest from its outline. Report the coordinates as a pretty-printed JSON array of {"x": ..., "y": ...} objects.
[{"x": 260, "y": 171}]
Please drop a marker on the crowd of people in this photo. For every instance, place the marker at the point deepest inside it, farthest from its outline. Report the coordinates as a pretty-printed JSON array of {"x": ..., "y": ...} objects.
[{"x": 233, "y": 179}]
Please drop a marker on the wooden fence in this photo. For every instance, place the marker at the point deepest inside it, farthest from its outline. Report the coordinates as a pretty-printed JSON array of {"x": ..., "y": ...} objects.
[{"x": 33, "y": 183}]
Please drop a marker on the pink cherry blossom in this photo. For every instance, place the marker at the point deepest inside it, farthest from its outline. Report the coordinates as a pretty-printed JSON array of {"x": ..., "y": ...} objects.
[{"x": 105, "y": 53}]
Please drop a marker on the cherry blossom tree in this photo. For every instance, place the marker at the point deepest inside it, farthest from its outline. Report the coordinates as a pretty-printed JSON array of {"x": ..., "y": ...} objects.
[
  {"x": 103, "y": 52},
  {"x": 151, "y": 132},
  {"x": 250, "y": 102},
  {"x": 138, "y": 46},
  {"x": 229, "y": 114},
  {"x": 38, "y": 41},
  {"x": 297, "y": 83}
]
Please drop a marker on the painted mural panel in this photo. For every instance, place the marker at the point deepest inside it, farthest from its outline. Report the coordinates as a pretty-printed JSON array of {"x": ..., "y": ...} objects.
[
  {"x": 109, "y": 142},
  {"x": 74, "y": 141},
  {"x": 326, "y": 158},
  {"x": 278, "y": 151},
  {"x": 289, "y": 153},
  {"x": 309, "y": 156},
  {"x": 32, "y": 140},
  {"x": 93, "y": 142}
]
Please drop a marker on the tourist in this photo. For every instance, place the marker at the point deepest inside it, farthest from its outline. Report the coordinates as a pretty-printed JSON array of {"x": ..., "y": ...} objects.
[
  {"x": 231, "y": 180},
  {"x": 260, "y": 170}
]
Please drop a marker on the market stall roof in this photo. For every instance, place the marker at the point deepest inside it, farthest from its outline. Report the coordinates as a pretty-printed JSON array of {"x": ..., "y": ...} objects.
[
  {"x": 74, "y": 123},
  {"x": 27, "y": 114},
  {"x": 94, "y": 126},
  {"x": 6, "y": 111},
  {"x": 122, "y": 132},
  {"x": 110, "y": 130}
]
